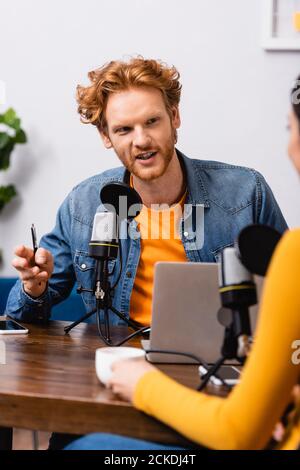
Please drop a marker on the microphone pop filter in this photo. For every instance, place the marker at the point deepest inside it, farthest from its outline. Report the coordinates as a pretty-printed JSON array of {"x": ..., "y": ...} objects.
[
  {"x": 116, "y": 193},
  {"x": 256, "y": 244}
]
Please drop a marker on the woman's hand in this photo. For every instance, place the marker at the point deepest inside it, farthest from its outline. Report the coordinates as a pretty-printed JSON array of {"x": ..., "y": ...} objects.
[{"x": 126, "y": 374}]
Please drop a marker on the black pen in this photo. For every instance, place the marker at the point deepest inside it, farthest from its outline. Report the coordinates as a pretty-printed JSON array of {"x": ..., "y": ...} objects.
[{"x": 34, "y": 242}]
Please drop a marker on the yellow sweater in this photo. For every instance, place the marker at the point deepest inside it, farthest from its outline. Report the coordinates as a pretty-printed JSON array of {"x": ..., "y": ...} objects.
[{"x": 246, "y": 418}]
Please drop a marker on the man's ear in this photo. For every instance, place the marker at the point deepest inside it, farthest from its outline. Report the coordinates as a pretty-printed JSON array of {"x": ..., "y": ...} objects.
[
  {"x": 176, "y": 117},
  {"x": 105, "y": 138}
]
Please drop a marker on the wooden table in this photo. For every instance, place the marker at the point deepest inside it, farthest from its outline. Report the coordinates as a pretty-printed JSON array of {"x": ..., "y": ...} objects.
[{"x": 49, "y": 383}]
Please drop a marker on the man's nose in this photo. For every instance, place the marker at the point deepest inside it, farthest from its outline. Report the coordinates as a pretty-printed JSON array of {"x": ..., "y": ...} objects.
[{"x": 141, "y": 138}]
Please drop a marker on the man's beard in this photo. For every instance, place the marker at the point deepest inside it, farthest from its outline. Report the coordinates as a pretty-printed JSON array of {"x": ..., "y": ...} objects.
[{"x": 165, "y": 156}]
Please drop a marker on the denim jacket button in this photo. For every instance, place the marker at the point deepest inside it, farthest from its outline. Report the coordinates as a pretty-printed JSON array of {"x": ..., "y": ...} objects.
[
  {"x": 186, "y": 234},
  {"x": 83, "y": 266},
  {"x": 128, "y": 274}
]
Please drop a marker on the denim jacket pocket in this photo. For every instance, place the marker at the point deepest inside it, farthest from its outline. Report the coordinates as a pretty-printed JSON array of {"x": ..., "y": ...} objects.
[{"x": 85, "y": 274}]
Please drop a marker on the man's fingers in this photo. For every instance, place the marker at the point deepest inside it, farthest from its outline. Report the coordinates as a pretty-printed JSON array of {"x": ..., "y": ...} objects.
[
  {"x": 28, "y": 274},
  {"x": 34, "y": 270},
  {"x": 34, "y": 274},
  {"x": 42, "y": 276},
  {"x": 20, "y": 250},
  {"x": 20, "y": 263},
  {"x": 43, "y": 258},
  {"x": 26, "y": 270},
  {"x": 23, "y": 251}
]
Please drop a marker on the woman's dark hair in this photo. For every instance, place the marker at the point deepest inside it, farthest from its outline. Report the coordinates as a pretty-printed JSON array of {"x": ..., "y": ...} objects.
[{"x": 295, "y": 98}]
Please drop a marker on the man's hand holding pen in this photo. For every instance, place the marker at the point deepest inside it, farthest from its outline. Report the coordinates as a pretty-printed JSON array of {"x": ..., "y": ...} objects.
[{"x": 35, "y": 267}]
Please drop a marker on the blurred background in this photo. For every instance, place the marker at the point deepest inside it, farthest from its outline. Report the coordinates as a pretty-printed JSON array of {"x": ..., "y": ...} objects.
[{"x": 234, "y": 107}]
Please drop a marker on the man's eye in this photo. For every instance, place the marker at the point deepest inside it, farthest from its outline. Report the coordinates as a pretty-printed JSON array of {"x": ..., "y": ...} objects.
[
  {"x": 152, "y": 120},
  {"x": 123, "y": 130}
]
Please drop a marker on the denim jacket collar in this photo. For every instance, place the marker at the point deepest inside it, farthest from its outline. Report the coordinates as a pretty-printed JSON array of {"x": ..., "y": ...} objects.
[{"x": 197, "y": 193}]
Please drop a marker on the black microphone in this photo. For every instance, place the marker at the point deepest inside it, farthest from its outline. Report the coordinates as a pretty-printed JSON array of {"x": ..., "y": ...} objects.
[
  {"x": 121, "y": 202},
  {"x": 104, "y": 242},
  {"x": 256, "y": 244},
  {"x": 250, "y": 255},
  {"x": 123, "y": 198},
  {"x": 238, "y": 292}
]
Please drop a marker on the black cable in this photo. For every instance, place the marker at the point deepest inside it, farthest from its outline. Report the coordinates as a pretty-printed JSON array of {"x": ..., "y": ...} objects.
[
  {"x": 211, "y": 372},
  {"x": 121, "y": 267},
  {"x": 156, "y": 351},
  {"x": 138, "y": 332},
  {"x": 111, "y": 343},
  {"x": 191, "y": 356}
]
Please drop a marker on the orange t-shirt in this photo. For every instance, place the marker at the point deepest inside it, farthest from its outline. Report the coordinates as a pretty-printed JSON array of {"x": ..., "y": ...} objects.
[{"x": 160, "y": 241}]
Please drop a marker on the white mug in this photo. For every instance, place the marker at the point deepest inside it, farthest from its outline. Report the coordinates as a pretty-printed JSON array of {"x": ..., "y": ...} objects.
[{"x": 105, "y": 357}]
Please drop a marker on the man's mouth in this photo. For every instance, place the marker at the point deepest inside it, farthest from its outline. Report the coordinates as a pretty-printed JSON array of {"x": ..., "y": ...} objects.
[{"x": 145, "y": 155}]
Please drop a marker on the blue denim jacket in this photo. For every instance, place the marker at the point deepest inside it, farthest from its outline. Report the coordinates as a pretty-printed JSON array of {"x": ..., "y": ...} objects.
[{"x": 230, "y": 197}]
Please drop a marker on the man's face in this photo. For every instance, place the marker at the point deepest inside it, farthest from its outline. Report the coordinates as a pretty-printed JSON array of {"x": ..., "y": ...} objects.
[
  {"x": 294, "y": 142},
  {"x": 141, "y": 131}
]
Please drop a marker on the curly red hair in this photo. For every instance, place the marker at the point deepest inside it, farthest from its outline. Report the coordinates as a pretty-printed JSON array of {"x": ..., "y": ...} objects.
[{"x": 117, "y": 76}]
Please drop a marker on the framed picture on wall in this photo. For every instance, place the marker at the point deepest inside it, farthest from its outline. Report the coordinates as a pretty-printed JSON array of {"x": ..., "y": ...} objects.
[{"x": 281, "y": 25}]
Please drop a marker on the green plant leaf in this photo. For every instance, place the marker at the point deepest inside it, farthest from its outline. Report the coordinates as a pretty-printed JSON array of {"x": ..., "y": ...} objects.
[
  {"x": 6, "y": 194},
  {"x": 20, "y": 137},
  {"x": 4, "y": 139},
  {"x": 9, "y": 116},
  {"x": 16, "y": 124},
  {"x": 5, "y": 154},
  {"x": 11, "y": 119}
]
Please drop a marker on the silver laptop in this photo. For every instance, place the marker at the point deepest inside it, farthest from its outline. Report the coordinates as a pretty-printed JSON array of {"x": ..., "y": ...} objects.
[{"x": 185, "y": 303}]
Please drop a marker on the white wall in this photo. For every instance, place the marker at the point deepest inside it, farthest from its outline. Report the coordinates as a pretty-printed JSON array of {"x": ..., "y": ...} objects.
[{"x": 234, "y": 105}]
